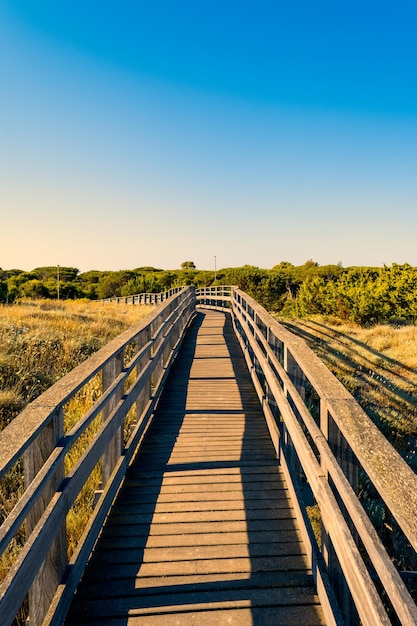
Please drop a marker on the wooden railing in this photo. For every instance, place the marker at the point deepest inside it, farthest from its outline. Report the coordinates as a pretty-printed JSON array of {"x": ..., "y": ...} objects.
[
  {"x": 324, "y": 441},
  {"x": 215, "y": 297},
  {"x": 145, "y": 298},
  {"x": 125, "y": 379}
]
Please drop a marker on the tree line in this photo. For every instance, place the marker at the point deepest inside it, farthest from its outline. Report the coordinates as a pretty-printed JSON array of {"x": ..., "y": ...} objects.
[{"x": 364, "y": 295}]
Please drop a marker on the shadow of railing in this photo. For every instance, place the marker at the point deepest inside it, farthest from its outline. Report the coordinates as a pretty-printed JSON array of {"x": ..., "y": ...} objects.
[
  {"x": 385, "y": 363},
  {"x": 395, "y": 414}
]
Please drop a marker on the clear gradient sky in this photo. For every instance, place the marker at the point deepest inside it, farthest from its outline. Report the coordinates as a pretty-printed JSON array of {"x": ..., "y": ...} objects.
[{"x": 152, "y": 132}]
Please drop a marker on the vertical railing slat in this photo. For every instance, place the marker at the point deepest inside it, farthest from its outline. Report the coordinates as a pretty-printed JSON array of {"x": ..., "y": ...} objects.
[
  {"x": 109, "y": 373},
  {"x": 49, "y": 573}
]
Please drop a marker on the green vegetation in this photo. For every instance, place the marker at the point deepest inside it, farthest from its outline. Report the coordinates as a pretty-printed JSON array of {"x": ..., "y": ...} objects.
[{"x": 363, "y": 295}]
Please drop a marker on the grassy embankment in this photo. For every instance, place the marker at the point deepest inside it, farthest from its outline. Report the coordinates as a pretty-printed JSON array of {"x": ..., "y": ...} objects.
[{"x": 40, "y": 341}]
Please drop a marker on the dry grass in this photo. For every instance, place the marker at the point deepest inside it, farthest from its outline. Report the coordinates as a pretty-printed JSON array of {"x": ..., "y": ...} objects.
[{"x": 40, "y": 341}]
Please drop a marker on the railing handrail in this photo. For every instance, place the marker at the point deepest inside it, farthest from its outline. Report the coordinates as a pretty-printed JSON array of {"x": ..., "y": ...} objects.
[
  {"x": 282, "y": 379},
  {"x": 37, "y": 435},
  {"x": 40, "y": 411},
  {"x": 357, "y": 428},
  {"x": 145, "y": 297},
  {"x": 217, "y": 296},
  {"x": 203, "y": 294}
]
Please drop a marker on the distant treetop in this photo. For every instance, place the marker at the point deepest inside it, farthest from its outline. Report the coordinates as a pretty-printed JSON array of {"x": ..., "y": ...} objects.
[{"x": 188, "y": 265}]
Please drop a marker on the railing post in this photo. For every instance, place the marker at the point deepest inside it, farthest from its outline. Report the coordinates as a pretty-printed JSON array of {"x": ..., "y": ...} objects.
[
  {"x": 294, "y": 372},
  {"x": 288, "y": 365},
  {"x": 339, "y": 447},
  {"x": 50, "y": 572},
  {"x": 111, "y": 456},
  {"x": 145, "y": 393},
  {"x": 155, "y": 327},
  {"x": 348, "y": 463}
]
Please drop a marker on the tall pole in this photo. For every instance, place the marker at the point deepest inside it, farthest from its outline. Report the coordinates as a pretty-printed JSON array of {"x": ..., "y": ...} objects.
[
  {"x": 57, "y": 281},
  {"x": 215, "y": 268}
]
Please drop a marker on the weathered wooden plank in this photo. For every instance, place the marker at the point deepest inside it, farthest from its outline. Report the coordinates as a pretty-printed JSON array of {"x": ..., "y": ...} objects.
[
  {"x": 290, "y": 616},
  {"x": 140, "y": 604},
  {"x": 266, "y": 468},
  {"x": 242, "y": 565},
  {"x": 128, "y": 554},
  {"x": 150, "y": 586},
  {"x": 127, "y": 528},
  {"x": 209, "y": 483},
  {"x": 224, "y": 492},
  {"x": 141, "y": 516},
  {"x": 210, "y": 504},
  {"x": 190, "y": 539},
  {"x": 229, "y": 498}
]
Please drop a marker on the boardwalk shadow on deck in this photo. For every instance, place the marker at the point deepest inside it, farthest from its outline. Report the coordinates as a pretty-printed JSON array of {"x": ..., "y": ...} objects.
[{"x": 231, "y": 557}]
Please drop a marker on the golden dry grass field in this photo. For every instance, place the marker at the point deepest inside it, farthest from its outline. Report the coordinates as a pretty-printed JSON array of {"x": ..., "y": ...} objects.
[{"x": 41, "y": 340}]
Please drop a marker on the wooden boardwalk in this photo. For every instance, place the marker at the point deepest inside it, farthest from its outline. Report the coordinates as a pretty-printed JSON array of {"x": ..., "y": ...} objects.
[{"x": 202, "y": 532}]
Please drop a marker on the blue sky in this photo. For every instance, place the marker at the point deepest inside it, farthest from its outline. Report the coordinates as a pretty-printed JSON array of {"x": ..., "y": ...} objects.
[{"x": 150, "y": 133}]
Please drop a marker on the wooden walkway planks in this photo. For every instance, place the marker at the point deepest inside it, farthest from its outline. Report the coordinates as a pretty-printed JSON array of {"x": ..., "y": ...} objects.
[{"x": 203, "y": 531}]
